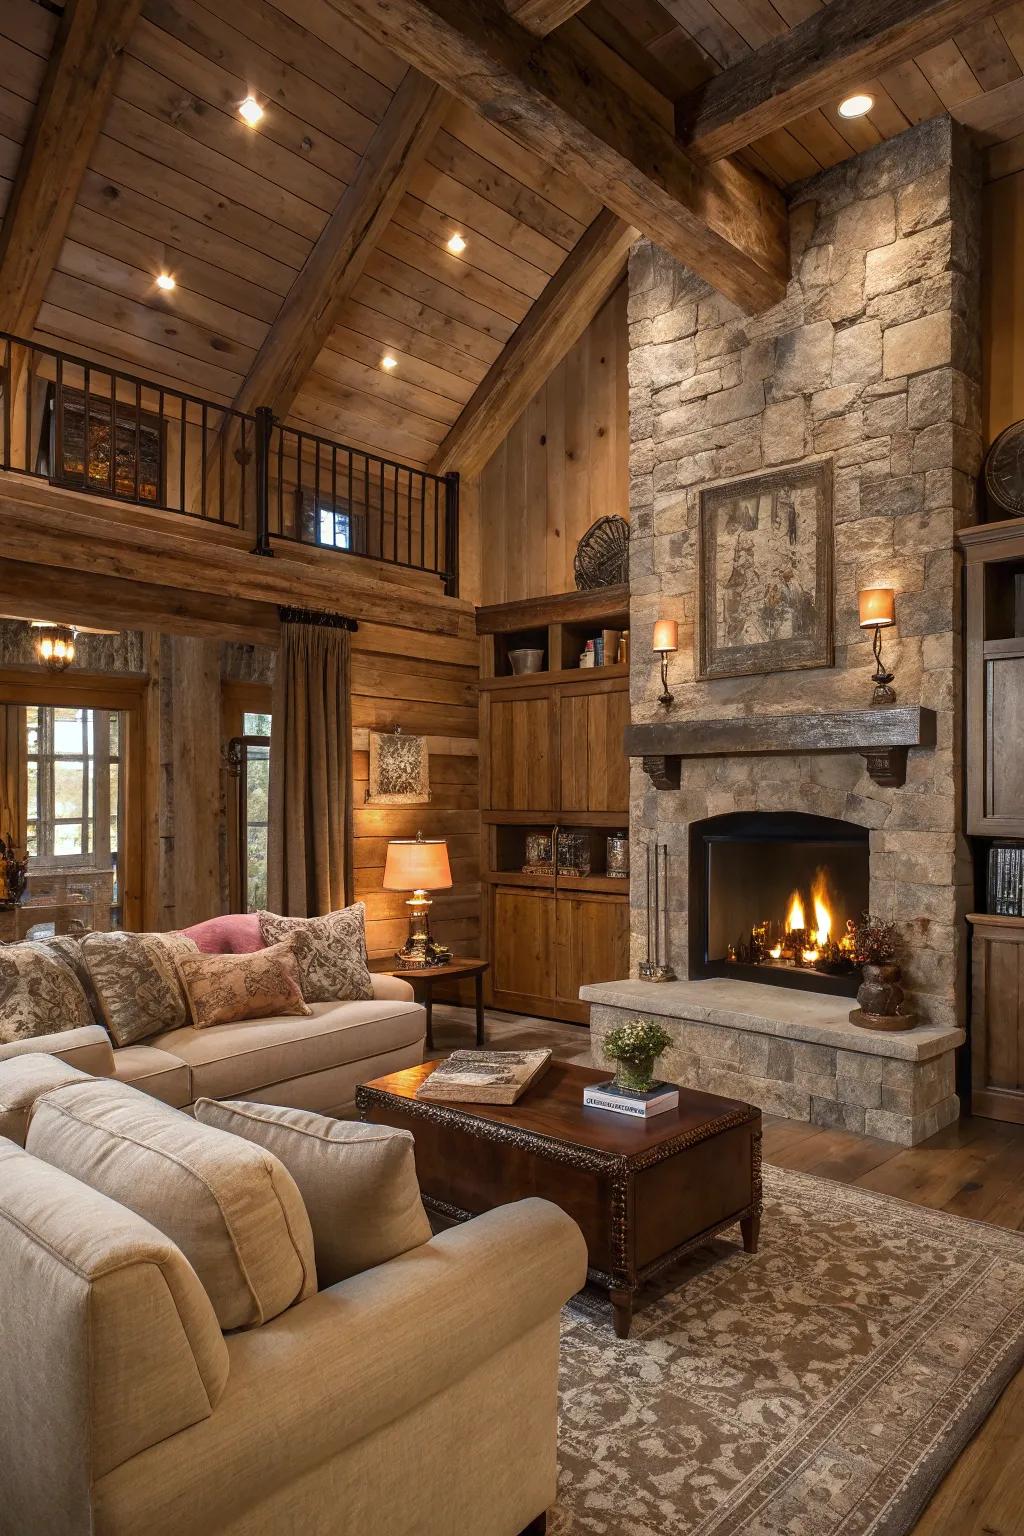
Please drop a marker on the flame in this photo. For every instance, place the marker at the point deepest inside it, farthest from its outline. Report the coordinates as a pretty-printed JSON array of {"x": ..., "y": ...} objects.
[
  {"x": 822, "y": 915},
  {"x": 795, "y": 915},
  {"x": 776, "y": 953},
  {"x": 809, "y": 956}
]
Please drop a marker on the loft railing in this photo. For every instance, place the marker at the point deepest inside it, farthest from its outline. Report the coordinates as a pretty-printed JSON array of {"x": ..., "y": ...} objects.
[{"x": 101, "y": 430}]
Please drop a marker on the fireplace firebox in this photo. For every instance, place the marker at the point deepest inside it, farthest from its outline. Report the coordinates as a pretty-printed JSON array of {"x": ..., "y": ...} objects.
[{"x": 771, "y": 897}]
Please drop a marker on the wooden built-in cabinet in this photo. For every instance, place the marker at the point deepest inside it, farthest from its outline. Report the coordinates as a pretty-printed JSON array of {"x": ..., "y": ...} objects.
[
  {"x": 551, "y": 755},
  {"x": 997, "y": 1017}
]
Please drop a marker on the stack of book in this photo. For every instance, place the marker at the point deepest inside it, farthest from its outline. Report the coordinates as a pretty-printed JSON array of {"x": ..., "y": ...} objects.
[
  {"x": 622, "y": 1101},
  {"x": 1006, "y": 879}
]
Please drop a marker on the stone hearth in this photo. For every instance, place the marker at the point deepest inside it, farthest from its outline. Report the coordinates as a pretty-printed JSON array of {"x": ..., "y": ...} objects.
[
  {"x": 792, "y": 1053},
  {"x": 872, "y": 362}
]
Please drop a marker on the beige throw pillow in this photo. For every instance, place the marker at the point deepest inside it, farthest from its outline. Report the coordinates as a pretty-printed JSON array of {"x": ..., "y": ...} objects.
[
  {"x": 39, "y": 994},
  {"x": 331, "y": 952},
  {"x": 136, "y": 981},
  {"x": 222, "y": 989},
  {"x": 358, "y": 1182},
  {"x": 230, "y": 1206},
  {"x": 22, "y": 1080}
]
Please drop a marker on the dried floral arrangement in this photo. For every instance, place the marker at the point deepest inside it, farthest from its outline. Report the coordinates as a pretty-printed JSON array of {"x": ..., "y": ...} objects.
[{"x": 875, "y": 942}]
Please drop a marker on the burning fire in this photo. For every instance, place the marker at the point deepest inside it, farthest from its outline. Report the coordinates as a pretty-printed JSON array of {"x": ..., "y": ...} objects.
[{"x": 807, "y": 935}]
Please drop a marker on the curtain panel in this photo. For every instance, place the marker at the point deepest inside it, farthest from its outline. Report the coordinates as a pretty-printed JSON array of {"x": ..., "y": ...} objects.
[{"x": 309, "y": 866}]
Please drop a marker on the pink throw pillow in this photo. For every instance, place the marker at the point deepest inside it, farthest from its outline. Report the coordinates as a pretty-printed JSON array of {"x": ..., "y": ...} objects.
[{"x": 237, "y": 933}]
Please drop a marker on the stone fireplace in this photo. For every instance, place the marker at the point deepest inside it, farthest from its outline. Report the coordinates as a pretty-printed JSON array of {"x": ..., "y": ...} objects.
[{"x": 871, "y": 363}]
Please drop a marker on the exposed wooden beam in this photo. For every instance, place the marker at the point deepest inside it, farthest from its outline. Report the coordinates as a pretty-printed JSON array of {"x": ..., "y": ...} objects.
[
  {"x": 558, "y": 318},
  {"x": 542, "y": 16},
  {"x": 66, "y": 122},
  {"x": 313, "y": 303},
  {"x": 724, "y": 222},
  {"x": 828, "y": 55}
]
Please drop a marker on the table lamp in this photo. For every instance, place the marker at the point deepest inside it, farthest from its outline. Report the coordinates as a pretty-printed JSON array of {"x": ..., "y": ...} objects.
[{"x": 418, "y": 864}]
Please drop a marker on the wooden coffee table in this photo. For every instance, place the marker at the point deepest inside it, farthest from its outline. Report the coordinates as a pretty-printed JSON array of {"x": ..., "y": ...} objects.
[{"x": 643, "y": 1193}]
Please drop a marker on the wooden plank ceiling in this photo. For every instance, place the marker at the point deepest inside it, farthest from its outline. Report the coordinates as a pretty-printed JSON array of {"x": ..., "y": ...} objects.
[{"x": 177, "y": 183}]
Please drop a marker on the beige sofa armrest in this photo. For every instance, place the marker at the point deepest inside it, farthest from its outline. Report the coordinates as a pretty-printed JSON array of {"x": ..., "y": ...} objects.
[
  {"x": 87, "y": 1048},
  {"x": 391, "y": 989},
  {"x": 360, "y": 1355}
]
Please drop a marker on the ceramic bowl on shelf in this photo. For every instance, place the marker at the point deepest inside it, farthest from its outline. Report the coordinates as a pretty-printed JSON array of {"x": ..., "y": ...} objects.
[{"x": 526, "y": 661}]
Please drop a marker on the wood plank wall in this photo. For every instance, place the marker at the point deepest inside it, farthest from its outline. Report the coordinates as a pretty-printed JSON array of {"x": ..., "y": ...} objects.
[
  {"x": 564, "y": 464},
  {"x": 1002, "y": 290}
]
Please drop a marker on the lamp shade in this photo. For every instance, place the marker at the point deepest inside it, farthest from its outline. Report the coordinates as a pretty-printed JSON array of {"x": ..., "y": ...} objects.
[
  {"x": 417, "y": 864},
  {"x": 877, "y": 607},
  {"x": 666, "y": 636}
]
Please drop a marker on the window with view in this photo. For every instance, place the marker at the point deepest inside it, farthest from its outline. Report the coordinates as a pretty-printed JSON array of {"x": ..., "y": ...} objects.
[
  {"x": 75, "y": 811},
  {"x": 250, "y": 755}
]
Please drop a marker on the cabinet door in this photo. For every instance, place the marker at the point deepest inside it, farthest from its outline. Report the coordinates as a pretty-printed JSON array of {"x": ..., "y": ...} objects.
[
  {"x": 594, "y": 767},
  {"x": 523, "y": 945},
  {"x": 593, "y": 942},
  {"x": 997, "y": 1024},
  {"x": 1004, "y": 724},
  {"x": 521, "y": 753}
]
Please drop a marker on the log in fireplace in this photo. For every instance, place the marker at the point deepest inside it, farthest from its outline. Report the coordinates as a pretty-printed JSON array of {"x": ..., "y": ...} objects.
[{"x": 771, "y": 897}]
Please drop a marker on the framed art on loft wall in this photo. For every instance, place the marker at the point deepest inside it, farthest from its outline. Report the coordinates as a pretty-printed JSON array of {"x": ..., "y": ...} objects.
[{"x": 765, "y": 573}]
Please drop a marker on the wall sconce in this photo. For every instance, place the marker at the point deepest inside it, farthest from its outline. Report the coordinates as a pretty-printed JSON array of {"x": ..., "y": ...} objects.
[
  {"x": 878, "y": 612},
  {"x": 54, "y": 646},
  {"x": 666, "y": 640}
]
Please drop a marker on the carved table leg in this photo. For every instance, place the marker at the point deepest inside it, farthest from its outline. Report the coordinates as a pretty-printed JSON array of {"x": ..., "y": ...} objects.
[
  {"x": 750, "y": 1227},
  {"x": 622, "y": 1311}
]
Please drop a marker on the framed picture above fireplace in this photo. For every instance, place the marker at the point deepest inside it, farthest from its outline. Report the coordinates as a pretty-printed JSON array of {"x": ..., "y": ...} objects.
[{"x": 765, "y": 573}]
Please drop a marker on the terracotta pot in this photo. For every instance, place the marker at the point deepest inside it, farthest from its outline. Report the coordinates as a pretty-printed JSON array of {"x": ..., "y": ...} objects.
[{"x": 880, "y": 991}]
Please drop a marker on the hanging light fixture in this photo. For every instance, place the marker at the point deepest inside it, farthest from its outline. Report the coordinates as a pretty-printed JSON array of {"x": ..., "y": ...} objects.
[{"x": 54, "y": 646}]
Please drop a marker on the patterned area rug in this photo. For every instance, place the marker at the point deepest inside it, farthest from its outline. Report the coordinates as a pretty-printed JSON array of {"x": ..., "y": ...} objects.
[{"x": 821, "y": 1387}]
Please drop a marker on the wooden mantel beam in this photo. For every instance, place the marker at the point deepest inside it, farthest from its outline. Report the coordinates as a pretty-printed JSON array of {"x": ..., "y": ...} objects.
[
  {"x": 542, "y": 16},
  {"x": 828, "y": 55},
  {"x": 724, "y": 222},
  {"x": 313, "y": 303},
  {"x": 558, "y": 318},
  {"x": 65, "y": 125}
]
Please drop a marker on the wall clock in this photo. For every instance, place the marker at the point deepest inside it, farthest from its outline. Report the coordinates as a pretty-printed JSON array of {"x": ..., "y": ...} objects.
[{"x": 1004, "y": 470}]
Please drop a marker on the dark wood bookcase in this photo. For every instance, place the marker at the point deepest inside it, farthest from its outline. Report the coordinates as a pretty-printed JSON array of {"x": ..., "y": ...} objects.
[{"x": 551, "y": 755}]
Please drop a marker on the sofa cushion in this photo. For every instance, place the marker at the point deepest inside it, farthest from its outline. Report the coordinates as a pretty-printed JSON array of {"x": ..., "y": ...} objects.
[
  {"x": 156, "y": 1072},
  {"x": 230, "y": 1060},
  {"x": 39, "y": 994},
  {"x": 236, "y": 933},
  {"x": 231, "y": 1207},
  {"x": 221, "y": 989},
  {"x": 87, "y": 1048},
  {"x": 331, "y": 952},
  {"x": 358, "y": 1182},
  {"x": 22, "y": 1080},
  {"x": 136, "y": 982}
]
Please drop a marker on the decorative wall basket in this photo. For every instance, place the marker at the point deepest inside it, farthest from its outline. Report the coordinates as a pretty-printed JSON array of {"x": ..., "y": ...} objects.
[
  {"x": 602, "y": 555},
  {"x": 399, "y": 769}
]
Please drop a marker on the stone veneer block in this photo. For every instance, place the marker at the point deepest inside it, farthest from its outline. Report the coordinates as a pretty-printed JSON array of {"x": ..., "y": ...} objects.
[{"x": 791, "y": 1053}]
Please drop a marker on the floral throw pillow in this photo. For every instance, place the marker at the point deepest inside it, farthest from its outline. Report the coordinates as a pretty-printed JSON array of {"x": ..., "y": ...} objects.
[
  {"x": 331, "y": 952},
  {"x": 39, "y": 994},
  {"x": 136, "y": 982},
  {"x": 223, "y": 989}
]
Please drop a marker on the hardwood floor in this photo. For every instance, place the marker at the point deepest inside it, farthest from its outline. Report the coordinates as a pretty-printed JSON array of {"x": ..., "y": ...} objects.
[{"x": 974, "y": 1168}]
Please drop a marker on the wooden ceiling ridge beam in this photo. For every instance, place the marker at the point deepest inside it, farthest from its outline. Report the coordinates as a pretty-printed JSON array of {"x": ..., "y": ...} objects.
[
  {"x": 556, "y": 321},
  {"x": 66, "y": 123},
  {"x": 724, "y": 222},
  {"x": 835, "y": 50}
]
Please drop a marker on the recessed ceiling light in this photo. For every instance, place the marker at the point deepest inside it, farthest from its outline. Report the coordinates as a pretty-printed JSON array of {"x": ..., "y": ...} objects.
[
  {"x": 250, "y": 111},
  {"x": 456, "y": 245},
  {"x": 166, "y": 282},
  {"x": 856, "y": 106},
  {"x": 388, "y": 362}
]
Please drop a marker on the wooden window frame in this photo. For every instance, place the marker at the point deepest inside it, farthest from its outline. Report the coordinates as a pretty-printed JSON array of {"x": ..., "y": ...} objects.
[{"x": 237, "y": 701}]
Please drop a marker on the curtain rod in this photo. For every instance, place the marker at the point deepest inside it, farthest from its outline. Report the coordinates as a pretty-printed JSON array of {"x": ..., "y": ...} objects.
[{"x": 317, "y": 616}]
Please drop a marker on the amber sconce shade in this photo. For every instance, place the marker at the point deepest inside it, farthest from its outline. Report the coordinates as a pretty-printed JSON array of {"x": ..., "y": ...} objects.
[
  {"x": 877, "y": 610},
  {"x": 666, "y": 640}
]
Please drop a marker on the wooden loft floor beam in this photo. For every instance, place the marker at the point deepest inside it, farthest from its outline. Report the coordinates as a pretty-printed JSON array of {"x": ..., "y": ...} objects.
[
  {"x": 314, "y": 301},
  {"x": 66, "y": 123},
  {"x": 832, "y": 52},
  {"x": 724, "y": 222},
  {"x": 556, "y": 321}
]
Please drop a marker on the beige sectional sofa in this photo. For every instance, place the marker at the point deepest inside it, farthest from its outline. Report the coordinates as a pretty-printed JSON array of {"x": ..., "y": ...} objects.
[
  {"x": 417, "y": 1397},
  {"x": 312, "y": 1063}
]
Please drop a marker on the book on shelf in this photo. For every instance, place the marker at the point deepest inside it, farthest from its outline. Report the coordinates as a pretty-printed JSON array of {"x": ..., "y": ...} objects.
[
  {"x": 483, "y": 1077},
  {"x": 1006, "y": 880},
  {"x": 622, "y": 1101}
]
